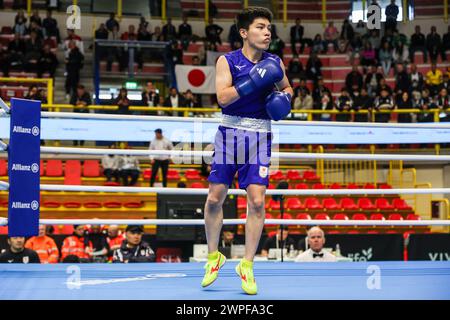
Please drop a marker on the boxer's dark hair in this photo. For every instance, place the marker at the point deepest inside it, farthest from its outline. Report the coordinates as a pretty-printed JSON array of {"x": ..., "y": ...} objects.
[{"x": 247, "y": 16}]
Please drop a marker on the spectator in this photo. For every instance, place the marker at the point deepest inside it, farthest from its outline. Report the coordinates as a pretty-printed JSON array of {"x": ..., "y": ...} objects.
[
  {"x": 302, "y": 101},
  {"x": 383, "y": 86},
  {"x": 445, "y": 44},
  {"x": 295, "y": 68},
  {"x": 443, "y": 104},
  {"x": 374, "y": 39},
  {"x": 191, "y": 100},
  {"x": 385, "y": 56},
  {"x": 47, "y": 62},
  {"x": 174, "y": 100},
  {"x": 16, "y": 49},
  {"x": 318, "y": 44},
  {"x": 122, "y": 102},
  {"x": 426, "y": 104},
  {"x": 129, "y": 170},
  {"x": 433, "y": 44},
  {"x": 44, "y": 246},
  {"x": 415, "y": 78},
  {"x": 50, "y": 26},
  {"x": 313, "y": 67},
  {"x": 157, "y": 35},
  {"x": 404, "y": 102},
  {"x": 112, "y": 22},
  {"x": 113, "y": 53},
  {"x": 368, "y": 55},
  {"x": 133, "y": 249},
  {"x": 143, "y": 33},
  {"x": 34, "y": 93},
  {"x": 445, "y": 82},
  {"x": 325, "y": 103},
  {"x": 346, "y": 37},
  {"x": 195, "y": 61},
  {"x": 20, "y": 24},
  {"x": 176, "y": 53},
  {"x": 433, "y": 79},
  {"x": 129, "y": 35},
  {"x": 301, "y": 87},
  {"x": 100, "y": 247},
  {"x": 17, "y": 253},
  {"x": 185, "y": 33},
  {"x": 315, "y": 253},
  {"x": 34, "y": 27},
  {"x": 383, "y": 103},
  {"x": 400, "y": 54},
  {"x": 319, "y": 90},
  {"x": 372, "y": 81},
  {"x": 213, "y": 32},
  {"x": 150, "y": 95},
  {"x": 417, "y": 44},
  {"x": 278, "y": 242},
  {"x": 142, "y": 23},
  {"x": 110, "y": 164},
  {"x": 296, "y": 34},
  {"x": 276, "y": 46},
  {"x": 20, "y": 16},
  {"x": 114, "y": 238},
  {"x": 80, "y": 100},
  {"x": 74, "y": 64},
  {"x": 36, "y": 18},
  {"x": 234, "y": 38},
  {"x": 4, "y": 61},
  {"x": 72, "y": 36},
  {"x": 77, "y": 245},
  {"x": 331, "y": 35},
  {"x": 344, "y": 106},
  {"x": 362, "y": 102},
  {"x": 169, "y": 32},
  {"x": 361, "y": 28},
  {"x": 354, "y": 80},
  {"x": 402, "y": 82},
  {"x": 391, "y": 15},
  {"x": 161, "y": 161},
  {"x": 33, "y": 49}
]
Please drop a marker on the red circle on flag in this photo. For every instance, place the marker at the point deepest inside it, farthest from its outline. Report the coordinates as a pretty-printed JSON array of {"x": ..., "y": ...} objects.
[{"x": 196, "y": 77}]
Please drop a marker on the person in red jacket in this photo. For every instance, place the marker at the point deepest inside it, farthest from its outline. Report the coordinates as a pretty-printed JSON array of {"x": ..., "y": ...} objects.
[
  {"x": 77, "y": 245},
  {"x": 44, "y": 246}
]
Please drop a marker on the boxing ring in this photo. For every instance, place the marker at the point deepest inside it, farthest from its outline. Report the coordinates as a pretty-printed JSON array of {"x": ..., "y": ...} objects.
[{"x": 276, "y": 281}]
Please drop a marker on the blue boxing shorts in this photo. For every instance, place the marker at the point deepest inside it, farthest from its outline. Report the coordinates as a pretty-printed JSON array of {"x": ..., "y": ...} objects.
[{"x": 241, "y": 151}]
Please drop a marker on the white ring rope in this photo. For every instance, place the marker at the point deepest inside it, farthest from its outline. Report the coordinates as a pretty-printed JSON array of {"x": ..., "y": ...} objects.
[
  {"x": 430, "y": 125},
  {"x": 3, "y": 146},
  {"x": 285, "y": 155},
  {"x": 4, "y": 185},
  {"x": 201, "y": 222}
]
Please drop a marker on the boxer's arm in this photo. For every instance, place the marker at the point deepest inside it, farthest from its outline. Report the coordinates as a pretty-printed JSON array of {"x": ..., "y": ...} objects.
[
  {"x": 226, "y": 93},
  {"x": 284, "y": 84}
]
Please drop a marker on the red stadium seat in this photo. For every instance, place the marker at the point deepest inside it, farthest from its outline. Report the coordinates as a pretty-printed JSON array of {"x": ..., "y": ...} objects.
[
  {"x": 173, "y": 174},
  {"x": 352, "y": 186},
  {"x": 293, "y": 204},
  {"x": 348, "y": 204},
  {"x": 392, "y": 232},
  {"x": 293, "y": 175},
  {"x": 3, "y": 229},
  {"x": 310, "y": 175},
  {"x": 313, "y": 203},
  {"x": 286, "y": 216},
  {"x": 111, "y": 184},
  {"x": 3, "y": 167},
  {"x": 400, "y": 204},
  {"x": 301, "y": 186},
  {"x": 241, "y": 203},
  {"x": 395, "y": 216},
  {"x": 72, "y": 172},
  {"x": 412, "y": 216},
  {"x": 335, "y": 186},
  {"x": 41, "y": 168},
  {"x": 359, "y": 216},
  {"x": 192, "y": 174},
  {"x": 4, "y": 203},
  {"x": 321, "y": 216},
  {"x": 385, "y": 186},
  {"x": 366, "y": 204},
  {"x": 276, "y": 175},
  {"x": 318, "y": 186},
  {"x": 133, "y": 204},
  {"x": 54, "y": 168},
  {"x": 340, "y": 216},
  {"x": 50, "y": 204},
  {"x": 383, "y": 204},
  {"x": 353, "y": 232},
  {"x": 273, "y": 205},
  {"x": 377, "y": 216},
  {"x": 369, "y": 186},
  {"x": 330, "y": 204},
  {"x": 112, "y": 204},
  {"x": 303, "y": 216},
  {"x": 197, "y": 185},
  {"x": 91, "y": 168},
  {"x": 373, "y": 232},
  {"x": 92, "y": 205},
  {"x": 271, "y": 186},
  {"x": 72, "y": 204}
]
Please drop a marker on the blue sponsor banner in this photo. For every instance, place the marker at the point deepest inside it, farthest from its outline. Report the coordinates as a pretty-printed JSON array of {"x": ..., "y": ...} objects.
[{"x": 23, "y": 168}]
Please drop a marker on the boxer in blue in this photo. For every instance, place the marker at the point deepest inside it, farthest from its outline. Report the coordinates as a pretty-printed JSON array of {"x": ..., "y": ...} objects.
[{"x": 252, "y": 89}]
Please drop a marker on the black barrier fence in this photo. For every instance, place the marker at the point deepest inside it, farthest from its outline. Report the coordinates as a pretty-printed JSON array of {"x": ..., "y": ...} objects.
[{"x": 432, "y": 247}]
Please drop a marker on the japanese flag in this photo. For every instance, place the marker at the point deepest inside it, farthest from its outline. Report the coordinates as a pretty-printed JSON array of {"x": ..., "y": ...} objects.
[{"x": 198, "y": 79}]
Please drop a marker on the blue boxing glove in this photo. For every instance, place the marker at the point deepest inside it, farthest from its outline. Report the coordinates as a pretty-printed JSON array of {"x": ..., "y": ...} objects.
[
  {"x": 262, "y": 76},
  {"x": 278, "y": 105}
]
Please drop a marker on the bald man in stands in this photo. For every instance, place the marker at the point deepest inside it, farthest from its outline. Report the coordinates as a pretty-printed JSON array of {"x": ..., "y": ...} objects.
[{"x": 315, "y": 253}]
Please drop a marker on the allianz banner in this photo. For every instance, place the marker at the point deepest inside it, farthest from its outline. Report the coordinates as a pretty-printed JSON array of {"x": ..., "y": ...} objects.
[
  {"x": 368, "y": 247},
  {"x": 23, "y": 168},
  {"x": 431, "y": 247}
]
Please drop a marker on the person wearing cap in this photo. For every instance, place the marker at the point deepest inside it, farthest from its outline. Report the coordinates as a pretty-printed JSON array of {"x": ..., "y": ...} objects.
[
  {"x": 77, "y": 245},
  {"x": 315, "y": 253},
  {"x": 160, "y": 143},
  {"x": 133, "y": 249},
  {"x": 275, "y": 242}
]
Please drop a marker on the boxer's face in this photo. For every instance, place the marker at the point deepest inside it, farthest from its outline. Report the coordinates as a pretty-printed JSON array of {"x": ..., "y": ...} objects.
[{"x": 258, "y": 34}]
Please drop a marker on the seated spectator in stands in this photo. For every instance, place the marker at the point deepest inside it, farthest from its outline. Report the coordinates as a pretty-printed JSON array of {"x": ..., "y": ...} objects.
[
  {"x": 114, "y": 238},
  {"x": 385, "y": 56},
  {"x": 434, "y": 44},
  {"x": 360, "y": 28},
  {"x": 77, "y": 245},
  {"x": 399, "y": 38},
  {"x": 325, "y": 103},
  {"x": 368, "y": 55},
  {"x": 20, "y": 25},
  {"x": 174, "y": 100},
  {"x": 129, "y": 170},
  {"x": 443, "y": 104},
  {"x": 101, "y": 32},
  {"x": 375, "y": 40},
  {"x": 143, "y": 33},
  {"x": 34, "y": 27},
  {"x": 185, "y": 33},
  {"x": 50, "y": 26},
  {"x": 157, "y": 35},
  {"x": 110, "y": 165},
  {"x": 346, "y": 36},
  {"x": 302, "y": 101},
  {"x": 47, "y": 62},
  {"x": 234, "y": 38},
  {"x": 372, "y": 81},
  {"x": 150, "y": 95},
  {"x": 330, "y": 35},
  {"x": 129, "y": 35},
  {"x": 175, "y": 53},
  {"x": 354, "y": 80},
  {"x": 445, "y": 44},
  {"x": 33, "y": 93},
  {"x": 426, "y": 104},
  {"x": 133, "y": 249},
  {"x": 16, "y": 49},
  {"x": 318, "y": 44},
  {"x": 100, "y": 246},
  {"x": 190, "y": 100},
  {"x": 445, "y": 83},
  {"x": 44, "y": 246},
  {"x": 195, "y": 61},
  {"x": 36, "y": 18},
  {"x": 402, "y": 82},
  {"x": 213, "y": 32},
  {"x": 384, "y": 102},
  {"x": 315, "y": 253},
  {"x": 276, "y": 46},
  {"x": 4, "y": 61},
  {"x": 302, "y": 86},
  {"x": 417, "y": 44},
  {"x": 361, "y": 102},
  {"x": 17, "y": 253},
  {"x": 20, "y": 16},
  {"x": 33, "y": 49},
  {"x": 404, "y": 102},
  {"x": 318, "y": 90},
  {"x": 278, "y": 242},
  {"x": 295, "y": 69},
  {"x": 415, "y": 78},
  {"x": 433, "y": 79},
  {"x": 76, "y": 39},
  {"x": 400, "y": 54},
  {"x": 169, "y": 32},
  {"x": 112, "y": 22},
  {"x": 122, "y": 102},
  {"x": 344, "y": 105},
  {"x": 74, "y": 64},
  {"x": 383, "y": 86},
  {"x": 314, "y": 67}
]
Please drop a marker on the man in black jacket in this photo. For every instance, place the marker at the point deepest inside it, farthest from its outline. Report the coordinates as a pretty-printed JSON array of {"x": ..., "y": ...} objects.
[
  {"x": 74, "y": 63},
  {"x": 433, "y": 44},
  {"x": 213, "y": 32},
  {"x": 445, "y": 44},
  {"x": 297, "y": 32},
  {"x": 417, "y": 44},
  {"x": 185, "y": 33},
  {"x": 17, "y": 253},
  {"x": 133, "y": 249}
]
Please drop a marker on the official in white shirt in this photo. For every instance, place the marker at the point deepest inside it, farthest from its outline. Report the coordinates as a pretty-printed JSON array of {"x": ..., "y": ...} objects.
[
  {"x": 315, "y": 253},
  {"x": 160, "y": 143}
]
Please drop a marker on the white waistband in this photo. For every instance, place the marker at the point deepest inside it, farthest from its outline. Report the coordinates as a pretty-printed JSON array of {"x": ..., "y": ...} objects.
[{"x": 242, "y": 123}]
